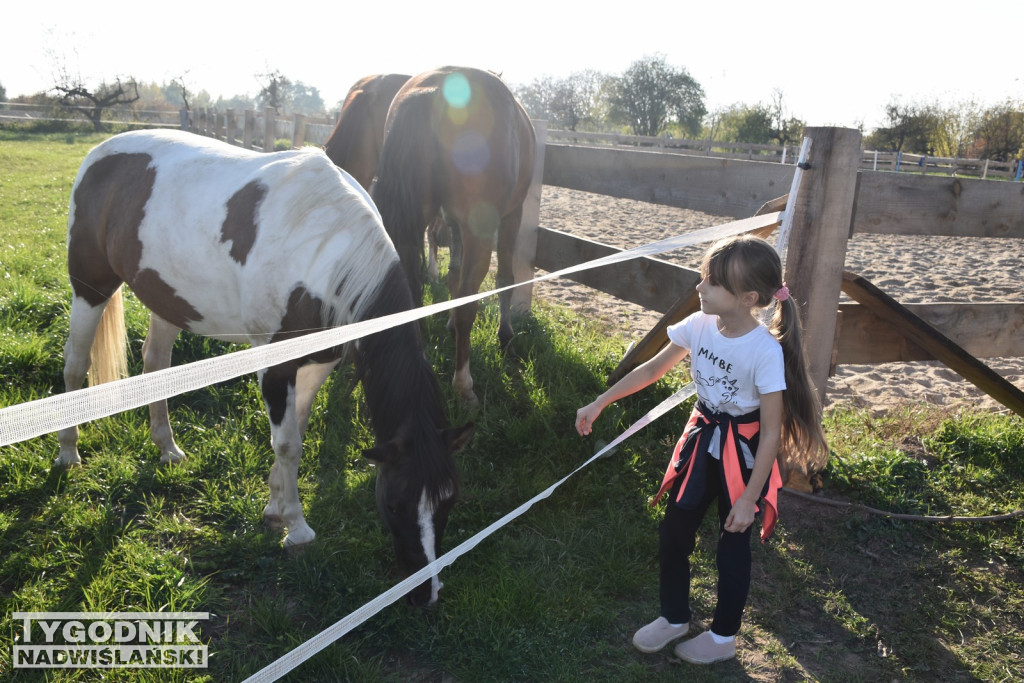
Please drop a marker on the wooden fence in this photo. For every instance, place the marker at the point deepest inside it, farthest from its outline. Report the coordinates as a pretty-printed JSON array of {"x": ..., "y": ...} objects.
[
  {"x": 837, "y": 200},
  {"x": 787, "y": 154}
]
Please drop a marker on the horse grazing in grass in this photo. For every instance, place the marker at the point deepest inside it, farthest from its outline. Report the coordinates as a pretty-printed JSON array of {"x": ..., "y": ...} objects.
[
  {"x": 459, "y": 146},
  {"x": 252, "y": 247}
]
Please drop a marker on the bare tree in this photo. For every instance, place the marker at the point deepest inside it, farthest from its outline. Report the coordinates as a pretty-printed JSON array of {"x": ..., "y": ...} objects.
[
  {"x": 650, "y": 95},
  {"x": 181, "y": 85},
  {"x": 75, "y": 95},
  {"x": 276, "y": 91},
  {"x": 92, "y": 103},
  {"x": 785, "y": 129}
]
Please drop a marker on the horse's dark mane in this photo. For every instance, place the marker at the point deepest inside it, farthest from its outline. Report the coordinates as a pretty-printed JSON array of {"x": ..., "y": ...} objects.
[
  {"x": 401, "y": 190},
  {"x": 401, "y": 386}
]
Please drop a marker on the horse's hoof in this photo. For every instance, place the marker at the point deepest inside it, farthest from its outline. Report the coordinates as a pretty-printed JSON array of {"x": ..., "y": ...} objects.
[
  {"x": 65, "y": 462},
  {"x": 298, "y": 540},
  {"x": 505, "y": 338},
  {"x": 171, "y": 458}
]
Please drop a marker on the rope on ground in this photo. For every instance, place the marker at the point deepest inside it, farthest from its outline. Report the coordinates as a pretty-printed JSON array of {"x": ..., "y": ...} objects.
[{"x": 941, "y": 519}]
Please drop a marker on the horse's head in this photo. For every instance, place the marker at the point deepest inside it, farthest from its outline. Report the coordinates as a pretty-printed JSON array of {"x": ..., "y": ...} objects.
[{"x": 416, "y": 489}]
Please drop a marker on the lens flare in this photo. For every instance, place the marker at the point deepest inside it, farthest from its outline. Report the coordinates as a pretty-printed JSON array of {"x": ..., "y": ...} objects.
[
  {"x": 456, "y": 90},
  {"x": 470, "y": 152}
]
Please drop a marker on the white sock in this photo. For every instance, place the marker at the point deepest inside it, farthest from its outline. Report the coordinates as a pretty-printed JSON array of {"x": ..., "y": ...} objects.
[
  {"x": 721, "y": 640},
  {"x": 678, "y": 625}
]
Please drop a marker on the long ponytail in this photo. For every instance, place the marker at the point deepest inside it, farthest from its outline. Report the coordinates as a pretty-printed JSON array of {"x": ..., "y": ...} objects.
[
  {"x": 804, "y": 448},
  {"x": 750, "y": 264}
]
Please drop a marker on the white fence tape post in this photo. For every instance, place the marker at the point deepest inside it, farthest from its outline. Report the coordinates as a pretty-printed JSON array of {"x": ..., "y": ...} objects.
[{"x": 782, "y": 244}]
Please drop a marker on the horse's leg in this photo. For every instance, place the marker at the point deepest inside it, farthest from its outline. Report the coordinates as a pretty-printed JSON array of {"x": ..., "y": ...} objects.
[
  {"x": 432, "y": 233},
  {"x": 82, "y": 324},
  {"x": 508, "y": 233},
  {"x": 284, "y": 509},
  {"x": 308, "y": 381},
  {"x": 455, "y": 260},
  {"x": 476, "y": 261},
  {"x": 156, "y": 355}
]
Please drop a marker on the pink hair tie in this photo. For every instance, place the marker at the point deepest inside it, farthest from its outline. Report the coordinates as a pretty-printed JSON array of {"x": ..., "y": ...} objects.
[{"x": 782, "y": 293}]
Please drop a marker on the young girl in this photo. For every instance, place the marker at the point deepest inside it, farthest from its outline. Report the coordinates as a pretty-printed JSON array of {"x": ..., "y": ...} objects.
[{"x": 755, "y": 400}]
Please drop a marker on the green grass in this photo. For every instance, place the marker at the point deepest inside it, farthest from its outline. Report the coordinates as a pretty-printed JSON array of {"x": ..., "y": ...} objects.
[{"x": 838, "y": 595}]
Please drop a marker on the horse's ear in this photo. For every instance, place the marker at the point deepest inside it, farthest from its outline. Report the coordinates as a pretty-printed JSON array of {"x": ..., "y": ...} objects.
[
  {"x": 381, "y": 454},
  {"x": 457, "y": 437}
]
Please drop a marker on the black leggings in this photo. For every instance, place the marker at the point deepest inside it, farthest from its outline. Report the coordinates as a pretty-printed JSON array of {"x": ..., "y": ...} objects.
[{"x": 677, "y": 539}]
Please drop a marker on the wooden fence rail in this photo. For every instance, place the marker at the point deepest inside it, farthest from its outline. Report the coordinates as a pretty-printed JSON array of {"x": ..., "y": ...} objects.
[{"x": 787, "y": 154}]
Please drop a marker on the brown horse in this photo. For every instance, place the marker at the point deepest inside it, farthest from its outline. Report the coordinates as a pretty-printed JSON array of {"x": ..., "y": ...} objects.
[
  {"x": 356, "y": 140},
  {"x": 457, "y": 145}
]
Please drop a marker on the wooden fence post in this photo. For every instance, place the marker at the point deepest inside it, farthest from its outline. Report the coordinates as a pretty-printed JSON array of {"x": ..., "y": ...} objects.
[
  {"x": 269, "y": 128},
  {"x": 248, "y": 128},
  {"x": 183, "y": 117},
  {"x": 298, "y": 130},
  {"x": 232, "y": 128},
  {"x": 526, "y": 243},
  {"x": 822, "y": 221}
]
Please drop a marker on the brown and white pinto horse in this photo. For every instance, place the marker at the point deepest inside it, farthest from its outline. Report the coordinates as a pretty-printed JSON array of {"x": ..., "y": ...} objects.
[
  {"x": 255, "y": 248},
  {"x": 458, "y": 145}
]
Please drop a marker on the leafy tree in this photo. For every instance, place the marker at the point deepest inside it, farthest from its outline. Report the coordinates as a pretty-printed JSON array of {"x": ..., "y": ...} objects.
[
  {"x": 566, "y": 103},
  {"x": 3, "y": 93},
  {"x": 740, "y": 123},
  {"x": 575, "y": 99},
  {"x": 908, "y": 128},
  {"x": 237, "y": 102},
  {"x": 536, "y": 97},
  {"x": 754, "y": 124},
  {"x": 650, "y": 95},
  {"x": 306, "y": 99},
  {"x": 1000, "y": 133},
  {"x": 955, "y": 126}
]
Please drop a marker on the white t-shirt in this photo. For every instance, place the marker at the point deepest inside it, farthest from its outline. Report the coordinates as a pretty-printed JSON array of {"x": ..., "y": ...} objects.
[{"x": 731, "y": 373}]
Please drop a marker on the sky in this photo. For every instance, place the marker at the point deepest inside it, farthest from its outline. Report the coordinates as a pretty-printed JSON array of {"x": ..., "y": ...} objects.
[{"x": 835, "y": 64}]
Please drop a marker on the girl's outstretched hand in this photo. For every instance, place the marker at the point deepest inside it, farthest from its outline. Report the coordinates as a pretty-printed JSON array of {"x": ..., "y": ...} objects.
[{"x": 585, "y": 417}]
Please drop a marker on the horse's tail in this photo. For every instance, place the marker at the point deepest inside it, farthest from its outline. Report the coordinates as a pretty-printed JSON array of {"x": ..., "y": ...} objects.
[
  {"x": 404, "y": 193},
  {"x": 108, "y": 359}
]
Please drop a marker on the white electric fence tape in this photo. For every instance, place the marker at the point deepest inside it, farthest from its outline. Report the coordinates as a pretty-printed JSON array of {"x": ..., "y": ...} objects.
[
  {"x": 782, "y": 242},
  {"x": 34, "y": 418},
  {"x": 307, "y": 649}
]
